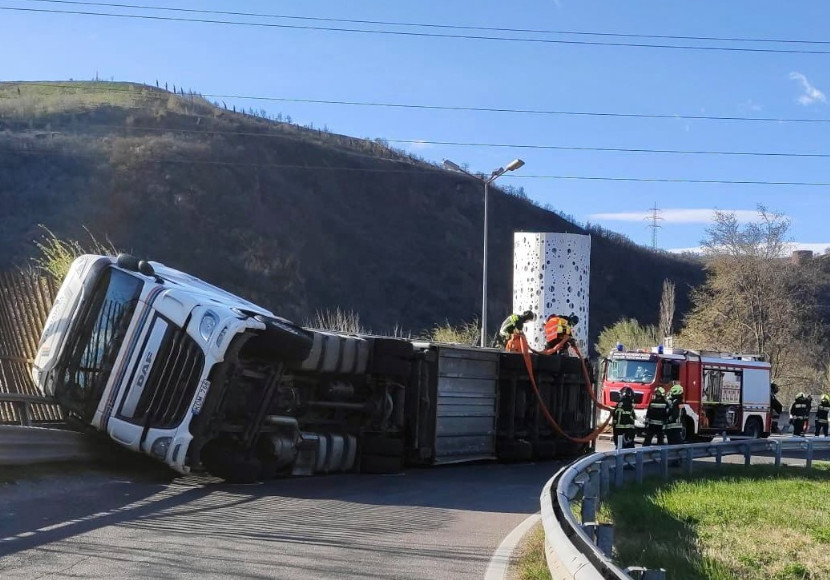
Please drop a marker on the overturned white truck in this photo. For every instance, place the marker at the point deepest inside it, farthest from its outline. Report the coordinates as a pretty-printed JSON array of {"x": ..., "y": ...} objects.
[{"x": 173, "y": 367}]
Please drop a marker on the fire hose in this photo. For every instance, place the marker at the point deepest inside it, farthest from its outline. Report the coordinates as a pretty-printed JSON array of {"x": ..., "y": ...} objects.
[{"x": 525, "y": 351}]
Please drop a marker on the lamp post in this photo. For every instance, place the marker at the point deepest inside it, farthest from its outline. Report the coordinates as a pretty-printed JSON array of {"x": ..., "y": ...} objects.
[{"x": 495, "y": 174}]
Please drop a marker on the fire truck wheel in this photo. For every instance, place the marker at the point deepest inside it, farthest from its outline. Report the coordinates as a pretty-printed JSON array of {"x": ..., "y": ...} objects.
[
  {"x": 687, "y": 431},
  {"x": 754, "y": 428}
]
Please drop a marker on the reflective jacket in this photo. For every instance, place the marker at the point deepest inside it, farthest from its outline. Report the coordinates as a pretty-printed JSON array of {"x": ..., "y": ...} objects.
[
  {"x": 511, "y": 323},
  {"x": 657, "y": 412},
  {"x": 822, "y": 411},
  {"x": 555, "y": 327},
  {"x": 675, "y": 414},
  {"x": 799, "y": 409},
  {"x": 623, "y": 416}
]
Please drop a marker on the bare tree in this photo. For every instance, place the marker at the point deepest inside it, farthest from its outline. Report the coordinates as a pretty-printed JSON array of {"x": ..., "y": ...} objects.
[
  {"x": 667, "y": 309},
  {"x": 755, "y": 300}
]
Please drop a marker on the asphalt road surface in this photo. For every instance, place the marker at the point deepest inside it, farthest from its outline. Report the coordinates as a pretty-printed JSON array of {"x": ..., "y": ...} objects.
[{"x": 138, "y": 522}]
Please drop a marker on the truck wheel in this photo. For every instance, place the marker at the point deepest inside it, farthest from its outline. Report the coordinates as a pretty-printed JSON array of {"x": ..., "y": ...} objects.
[
  {"x": 380, "y": 464},
  {"x": 754, "y": 428},
  {"x": 376, "y": 444},
  {"x": 285, "y": 341},
  {"x": 224, "y": 460}
]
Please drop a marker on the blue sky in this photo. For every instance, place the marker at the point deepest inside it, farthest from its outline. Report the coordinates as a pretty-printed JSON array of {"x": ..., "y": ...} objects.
[{"x": 462, "y": 72}]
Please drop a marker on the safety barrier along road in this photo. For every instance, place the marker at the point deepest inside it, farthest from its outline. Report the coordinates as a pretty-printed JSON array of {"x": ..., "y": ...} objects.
[
  {"x": 30, "y": 445},
  {"x": 583, "y": 551}
]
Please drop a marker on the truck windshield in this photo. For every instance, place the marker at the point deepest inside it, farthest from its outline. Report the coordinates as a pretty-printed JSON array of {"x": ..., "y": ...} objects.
[
  {"x": 94, "y": 341},
  {"x": 631, "y": 371}
]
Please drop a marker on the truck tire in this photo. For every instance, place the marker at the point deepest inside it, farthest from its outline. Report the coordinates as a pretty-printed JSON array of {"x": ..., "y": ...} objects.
[
  {"x": 380, "y": 454},
  {"x": 753, "y": 428},
  {"x": 510, "y": 451},
  {"x": 224, "y": 460},
  {"x": 377, "y": 444},
  {"x": 286, "y": 341},
  {"x": 381, "y": 464}
]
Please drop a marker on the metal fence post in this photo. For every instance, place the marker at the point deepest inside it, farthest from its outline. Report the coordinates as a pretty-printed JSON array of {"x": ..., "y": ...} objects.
[
  {"x": 689, "y": 461},
  {"x": 809, "y": 453},
  {"x": 619, "y": 465},
  {"x": 589, "y": 498},
  {"x": 604, "y": 479},
  {"x": 638, "y": 468},
  {"x": 778, "y": 450},
  {"x": 747, "y": 454},
  {"x": 605, "y": 539}
]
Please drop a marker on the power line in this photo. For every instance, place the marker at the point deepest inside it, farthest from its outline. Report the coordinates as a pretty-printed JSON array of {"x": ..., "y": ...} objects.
[
  {"x": 471, "y": 144},
  {"x": 436, "y": 169},
  {"x": 462, "y": 107},
  {"x": 432, "y": 25},
  {"x": 550, "y": 41}
]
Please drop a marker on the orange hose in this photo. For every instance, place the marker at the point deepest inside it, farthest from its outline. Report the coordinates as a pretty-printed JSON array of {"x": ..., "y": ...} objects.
[{"x": 525, "y": 349}]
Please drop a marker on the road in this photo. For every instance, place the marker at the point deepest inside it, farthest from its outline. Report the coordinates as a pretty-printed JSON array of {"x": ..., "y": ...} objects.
[{"x": 139, "y": 523}]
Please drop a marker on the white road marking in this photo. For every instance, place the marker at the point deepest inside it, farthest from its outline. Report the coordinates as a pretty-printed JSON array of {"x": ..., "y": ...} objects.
[{"x": 500, "y": 560}]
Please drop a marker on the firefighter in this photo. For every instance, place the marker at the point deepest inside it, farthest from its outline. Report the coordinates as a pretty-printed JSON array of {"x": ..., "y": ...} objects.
[
  {"x": 676, "y": 415},
  {"x": 656, "y": 415},
  {"x": 822, "y": 412},
  {"x": 799, "y": 414},
  {"x": 776, "y": 406},
  {"x": 623, "y": 419},
  {"x": 558, "y": 328},
  {"x": 514, "y": 324}
]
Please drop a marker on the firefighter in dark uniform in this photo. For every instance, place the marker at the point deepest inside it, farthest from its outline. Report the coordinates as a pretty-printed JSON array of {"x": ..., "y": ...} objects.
[
  {"x": 799, "y": 414},
  {"x": 623, "y": 419},
  {"x": 822, "y": 412},
  {"x": 656, "y": 416},
  {"x": 676, "y": 415},
  {"x": 776, "y": 406}
]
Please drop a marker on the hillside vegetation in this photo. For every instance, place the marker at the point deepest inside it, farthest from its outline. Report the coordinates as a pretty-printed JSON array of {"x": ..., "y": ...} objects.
[{"x": 298, "y": 219}]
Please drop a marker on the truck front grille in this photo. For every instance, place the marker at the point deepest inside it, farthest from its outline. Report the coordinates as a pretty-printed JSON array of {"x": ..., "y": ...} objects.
[{"x": 172, "y": 382}]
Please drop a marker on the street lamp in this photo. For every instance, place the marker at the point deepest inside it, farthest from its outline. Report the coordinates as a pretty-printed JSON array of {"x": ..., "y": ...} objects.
[{"x": 512, "y": 166}]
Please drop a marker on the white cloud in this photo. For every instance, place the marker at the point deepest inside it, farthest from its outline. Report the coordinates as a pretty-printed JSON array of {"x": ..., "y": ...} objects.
[
  {"x": 815, "y": 247},
  {"x": 811, "y": 94},
  {"x": 677, "y": 216},
  {"x": 750, "y": 105},
  {"x": 419, "y": 145}
]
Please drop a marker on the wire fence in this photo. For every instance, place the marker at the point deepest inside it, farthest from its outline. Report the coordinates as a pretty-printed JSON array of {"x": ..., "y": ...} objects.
[{"x": 25, "y": 300}]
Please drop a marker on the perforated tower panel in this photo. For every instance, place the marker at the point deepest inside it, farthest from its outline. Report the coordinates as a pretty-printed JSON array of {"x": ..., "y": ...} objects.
[{"x": 551, "y": 275}]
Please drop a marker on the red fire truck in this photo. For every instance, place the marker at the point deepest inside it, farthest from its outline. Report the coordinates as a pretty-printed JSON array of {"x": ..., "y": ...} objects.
[{"x": 722, "y": 392}]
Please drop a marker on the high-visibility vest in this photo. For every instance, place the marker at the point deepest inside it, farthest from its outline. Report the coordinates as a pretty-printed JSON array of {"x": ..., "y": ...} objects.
[
  {"x": 675, "y": 421},
  {"x": 656, "y": 413},
  {"x": 799, "y": 410},
  {"x": 510, "y": 324},
  {"x": 555, "y": 327},
  {"x": 623, "y": 418}
]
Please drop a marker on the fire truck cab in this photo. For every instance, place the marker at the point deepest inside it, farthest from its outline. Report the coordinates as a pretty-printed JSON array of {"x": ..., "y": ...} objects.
[{"x": 721, "y": 392}]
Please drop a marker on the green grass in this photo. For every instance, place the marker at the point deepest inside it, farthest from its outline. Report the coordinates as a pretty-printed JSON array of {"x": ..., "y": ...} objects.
[
  {"x": 744, "y": 523},
  {"x": 33, "y": 99},
  {"x": 531, "y": 563}
]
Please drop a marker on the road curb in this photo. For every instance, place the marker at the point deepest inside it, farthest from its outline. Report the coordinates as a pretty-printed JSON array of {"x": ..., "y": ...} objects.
[{"x": 500, "y": 560}]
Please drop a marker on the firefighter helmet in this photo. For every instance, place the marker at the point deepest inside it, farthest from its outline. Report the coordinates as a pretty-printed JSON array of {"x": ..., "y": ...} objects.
[
  {"x": 659, "y": 392},
  {"x": 825, "y": 397},
  {"x": 676, "y": 390},
  {"x": 627, "y": 393},
  {"x": 528, "y": 315}
]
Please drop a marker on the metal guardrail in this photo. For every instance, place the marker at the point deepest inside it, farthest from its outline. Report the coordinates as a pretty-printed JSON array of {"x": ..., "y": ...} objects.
[
  {"x": 583, "y": 551},
  {"x": 30, "y": 445},
  {"x": 24, "y": 404}
]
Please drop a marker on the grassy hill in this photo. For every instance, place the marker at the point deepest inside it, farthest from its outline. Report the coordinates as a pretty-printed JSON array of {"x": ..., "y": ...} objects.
[{"x": 298, "y": 219}]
